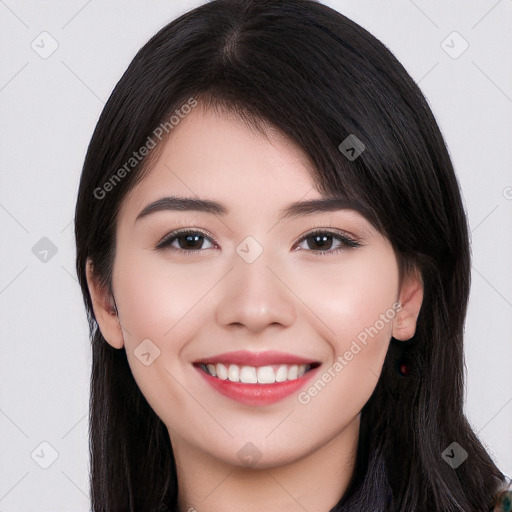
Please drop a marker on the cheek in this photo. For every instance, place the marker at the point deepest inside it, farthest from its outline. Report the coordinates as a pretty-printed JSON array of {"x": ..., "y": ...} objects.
[
  {"x": 157, "y": 302},
  {"x": 356, "y": 304},
  {"x": 155, "y": 296},
  {"x": 351, "y": 297}
]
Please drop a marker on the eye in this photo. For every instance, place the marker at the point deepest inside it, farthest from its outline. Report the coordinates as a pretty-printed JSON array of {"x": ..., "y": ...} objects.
[
  {"x": 322, "y": 242},
  {"x": 186, "y": 240}
]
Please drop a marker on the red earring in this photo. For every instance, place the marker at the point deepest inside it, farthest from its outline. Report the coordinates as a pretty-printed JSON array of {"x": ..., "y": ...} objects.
[{"x": 404, "y": 369}]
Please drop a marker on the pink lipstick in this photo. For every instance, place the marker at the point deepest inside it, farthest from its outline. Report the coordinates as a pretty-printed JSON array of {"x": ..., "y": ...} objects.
[{"x": 256, "y": 378}]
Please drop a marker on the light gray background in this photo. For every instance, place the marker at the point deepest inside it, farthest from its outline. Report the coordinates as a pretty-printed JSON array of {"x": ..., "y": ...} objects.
[{"x": 49, "y": 108}]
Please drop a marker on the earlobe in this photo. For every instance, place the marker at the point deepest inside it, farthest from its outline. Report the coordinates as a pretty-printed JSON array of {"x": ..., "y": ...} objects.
[
  {"x": 105, "y": 310},
  {"x": 411, "y": 298}
]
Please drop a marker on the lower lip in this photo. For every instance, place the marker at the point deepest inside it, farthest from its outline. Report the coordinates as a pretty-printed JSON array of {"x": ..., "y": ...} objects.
[{"x": 257, "y": 394}]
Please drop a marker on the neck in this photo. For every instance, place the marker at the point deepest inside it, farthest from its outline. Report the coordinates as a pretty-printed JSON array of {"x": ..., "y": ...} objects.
[{"x": 317, "y": 481}]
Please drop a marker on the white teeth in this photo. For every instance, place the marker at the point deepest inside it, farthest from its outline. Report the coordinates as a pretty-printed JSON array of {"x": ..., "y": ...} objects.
[
  {"x": 248, "y": 375},
  {"x": 293, "y": 371},
  {"x": 266, "y": 375},
  {"x": 222, "y": 373},
  {"x": 282, "y": 373},
  {"x": 234, "y": 373},
  {"x": 252, "y": 375}
]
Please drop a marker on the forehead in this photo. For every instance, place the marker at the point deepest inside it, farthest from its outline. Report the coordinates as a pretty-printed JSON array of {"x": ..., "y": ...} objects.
[{"x": 215, "y": 154}]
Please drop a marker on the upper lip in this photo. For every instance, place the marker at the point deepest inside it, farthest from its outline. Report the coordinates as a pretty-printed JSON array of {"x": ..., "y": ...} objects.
[{"x": 246, "y": 358}]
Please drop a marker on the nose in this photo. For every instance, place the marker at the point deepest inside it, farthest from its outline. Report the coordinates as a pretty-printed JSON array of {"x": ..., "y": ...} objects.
[{"x": 255, "y": 295}]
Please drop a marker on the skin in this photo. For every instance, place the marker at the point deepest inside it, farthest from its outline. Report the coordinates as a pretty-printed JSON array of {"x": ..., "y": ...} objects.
[{"x": 196, "y": 305}]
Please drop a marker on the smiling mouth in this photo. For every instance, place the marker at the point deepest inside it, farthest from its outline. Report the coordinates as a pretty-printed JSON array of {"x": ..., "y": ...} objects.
[{"x": 269, "y": 374}]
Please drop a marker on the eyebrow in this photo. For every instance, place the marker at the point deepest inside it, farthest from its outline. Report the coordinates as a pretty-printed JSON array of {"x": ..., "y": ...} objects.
[{"x": 297, "y": 209}]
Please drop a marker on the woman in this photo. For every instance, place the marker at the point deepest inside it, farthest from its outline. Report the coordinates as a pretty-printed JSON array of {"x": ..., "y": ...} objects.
[{"x": 274, "y": 258}]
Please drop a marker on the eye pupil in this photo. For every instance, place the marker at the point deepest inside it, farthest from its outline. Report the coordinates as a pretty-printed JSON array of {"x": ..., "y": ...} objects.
[
  {"x": 321, "y": 240},
  {"x": 191, "y": 241}
]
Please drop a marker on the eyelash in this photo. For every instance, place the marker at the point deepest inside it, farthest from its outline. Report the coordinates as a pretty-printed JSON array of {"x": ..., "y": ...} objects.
[{"x": 346, "y": 242}]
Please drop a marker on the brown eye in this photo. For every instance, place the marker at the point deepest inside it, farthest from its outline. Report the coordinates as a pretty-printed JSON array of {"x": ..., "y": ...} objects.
[
  {"x": 186, "y": 241},
  {"x": 324, "y": 241}
]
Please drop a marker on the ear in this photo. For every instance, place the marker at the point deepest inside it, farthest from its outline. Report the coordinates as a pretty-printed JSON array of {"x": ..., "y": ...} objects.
[
  {"x": 104, "y": 309},
  {"x": 411, "y": 298}
]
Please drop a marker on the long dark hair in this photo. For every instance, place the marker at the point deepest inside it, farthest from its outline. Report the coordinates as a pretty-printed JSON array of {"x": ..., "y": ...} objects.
[{"x": 318, "y": 77}]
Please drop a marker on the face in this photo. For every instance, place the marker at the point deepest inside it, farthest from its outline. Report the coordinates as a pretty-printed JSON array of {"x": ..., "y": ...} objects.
[{"x": 251, "y": 333}]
